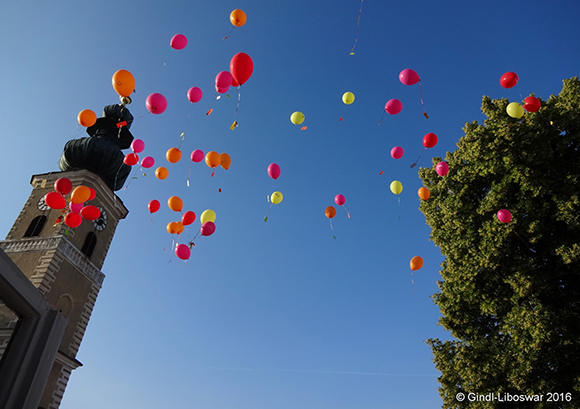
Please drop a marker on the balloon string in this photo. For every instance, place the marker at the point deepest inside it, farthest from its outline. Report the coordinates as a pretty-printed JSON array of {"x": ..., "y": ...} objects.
[
  {"x": 418, "y": 157},
  {"x": 523, "y": 241},
  {"x": 412, "y": 283},
  {"x": 167, "y": 56},
  {"x": 189, "y": 175},
  {"x": 383, "y": 117},
  {"x": 211, "y": 103},
  {"x": 422, "y": 103},
  {"x": 235, "y": 123},
  {"x": 347, "y": 212},
  {"x": 230, "y": 33},
  {"x": 357, "y": 28}
]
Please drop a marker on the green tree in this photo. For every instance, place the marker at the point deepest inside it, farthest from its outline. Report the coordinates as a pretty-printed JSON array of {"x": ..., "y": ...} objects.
[{"x": 510, "y": 292}]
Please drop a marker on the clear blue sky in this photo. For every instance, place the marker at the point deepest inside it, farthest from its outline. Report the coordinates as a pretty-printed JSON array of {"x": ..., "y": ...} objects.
[{"x": 279, "y": 314}]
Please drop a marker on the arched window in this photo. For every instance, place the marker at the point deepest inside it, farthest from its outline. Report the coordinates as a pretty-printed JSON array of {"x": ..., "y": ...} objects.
[
  {"x": 35, "y": 226},
  {"x": 65, "y": 304},
  {"x": 90, "y": 243}
]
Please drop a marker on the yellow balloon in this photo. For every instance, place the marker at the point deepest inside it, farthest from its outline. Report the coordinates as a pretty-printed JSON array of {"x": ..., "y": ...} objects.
[
  {"x": 396, "y": 187},
  {"x": 208, "y": 215},
  {"x": 297, "y": 118},
  {"x": 348, "y": 98},
  {"x": 515, "y": 110},
  {"x": 276, "y": 197}
]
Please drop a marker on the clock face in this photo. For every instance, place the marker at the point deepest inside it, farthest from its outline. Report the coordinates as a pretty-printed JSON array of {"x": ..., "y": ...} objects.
[
  {"x": 42, "y": 204},
  {"x": 101, "y": 222}
]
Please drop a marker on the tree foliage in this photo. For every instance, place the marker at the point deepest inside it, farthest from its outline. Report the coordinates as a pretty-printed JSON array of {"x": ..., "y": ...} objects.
[{"x": 510, "y": 292}]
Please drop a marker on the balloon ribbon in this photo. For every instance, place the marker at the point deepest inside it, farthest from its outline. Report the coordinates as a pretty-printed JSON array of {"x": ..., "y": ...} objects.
[{"x": 357, "y": 28}]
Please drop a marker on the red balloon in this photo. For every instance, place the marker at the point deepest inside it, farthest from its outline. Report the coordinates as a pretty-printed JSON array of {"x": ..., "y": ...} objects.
[
  {"x": 131, "y": 159},
  {"x": 274, "y": 171},
  {"x": 508, "y": 80},
  {"x": 73, "y": 220},
  {"x": 92, "y": 195},
  {"x": 532, "y": 104},
  {"x": 90, "y": 212},
  {"x": 241, "y": 67},
  {"x": 188, "y": 218},
  {"x": 63, "y": 186},
  {"x": 55, "y": 200},
  {"x": 207, "y": 228},
  {"x": 430, "y": 140},
  {"x": 154, "y": 206}
]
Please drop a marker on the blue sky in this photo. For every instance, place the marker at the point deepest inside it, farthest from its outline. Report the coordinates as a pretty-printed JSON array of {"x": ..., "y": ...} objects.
[{"x": 277, "y": 314}]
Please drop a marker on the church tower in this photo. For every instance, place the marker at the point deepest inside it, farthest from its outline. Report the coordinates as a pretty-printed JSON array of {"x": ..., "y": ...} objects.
[{"x": 64, "y": 264}]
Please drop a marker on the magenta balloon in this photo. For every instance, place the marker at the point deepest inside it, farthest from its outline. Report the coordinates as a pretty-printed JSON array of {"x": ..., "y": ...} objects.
[
  {"x": 137, "y": 145},
  {"x": 147, "y": 162},
  {"x": 442, "y": 168},
  {"x": 221, "y": 90},
  {"x": 397, "y": 152},
  {"x": 156, "y": 103},
  {"x": 393, "y": 106},
  {"x": 197, "y": 155},
  {"x": 274, "y": 171},
  {"x": 223, "y": 79},
  {"x": 339, "y": 200},
  {"x": 194, "y": 94},
  {"x": 178, "y": 41},
  {"x": 182, "y": 251},
  {"x": 504, "y": 216},
  {"x": 409, "y": 77},
  {"x": 76, "y": 207},
  {"x": 207, "y": 228}
]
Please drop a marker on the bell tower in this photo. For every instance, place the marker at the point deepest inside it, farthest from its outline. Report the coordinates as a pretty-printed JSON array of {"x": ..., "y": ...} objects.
[{"x": 64, "y": 264}]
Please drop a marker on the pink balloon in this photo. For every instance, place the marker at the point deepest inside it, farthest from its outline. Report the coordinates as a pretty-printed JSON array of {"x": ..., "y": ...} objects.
[
  {"x": 137, "y": 145},
  {"x": 393, "y": 106},
  {"x": 339, "y": 200},
  {"x": 274, "y": 171},
  {"x": 197, "y": 155},
  {"x": 504, "y": 216},
  {"x": 397, "y": 152},
  {"x": 156, "y": 103},
  {"x": 76, "y": 207},
  {"x": 207, "y": 228},
  {"x": 147, "y": 162},
  {"x": 442, "y": 168},
  {"x": 409, "y": 77},
  {"x": 223, "y": 79},
  {"x": 221, "y": 90},
  {"x": 178, "y": 41},
  {"x": 194, "y": 94},
  {"x": 182, "y": 251}
]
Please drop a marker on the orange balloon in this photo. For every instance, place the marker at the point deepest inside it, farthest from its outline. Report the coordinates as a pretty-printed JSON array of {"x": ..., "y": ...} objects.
[
  {"x": 161, "y": 173},
  {"x": 87, "y": 118},
  {"x": 175, "y": 203},
  {"x": 238, "y": 18},
  {"x": 172, "y": 228},
  {"x": 180, "y": 227},
  {"x": 416, "y": 263},
  {"x": 225, "y": 161},
  {"x": 424, "y": 193},
  {"x": 213, "y": 159},
  {"x": 123, "y": 83},
  {"x": 80, "y": 195},
  {"x": 173, "y": 155},
  {"x": 330, "y": 212}
]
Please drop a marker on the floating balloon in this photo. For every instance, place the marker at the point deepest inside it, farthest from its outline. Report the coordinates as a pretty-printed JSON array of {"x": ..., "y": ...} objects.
[
  {"x": 63, "y": 186},
  {"x": 221, "y": 90},
  {"x": 212, "y": 159},
  {"x": 225, "y": 161},
  {"x": 55, "y": 200},
  {"x": 92, "y": 195},
  {"x": 330, "y": 212},
  {"x": 409, "y": 77},
  {"x": 430, "y": 140},
  {"x": 238, "y": 18},
  {"x": 396, "y": 187},
  {"x": 339, "y": 200},
  {"x": 156, "y": 103},
  {"x": 182, "y": 251},
  {"x": 393, "y": 106},
  {"x": 515, "y": 110},
  {"x": 188, "y": 218},
  {"x": 173, "y": 155},
  {"x": 442, "y": 168},
  {"x": 416, "y": 263},
  {"x": 161, "y": 173},
  {"x": 123, "y": 83},
  {"x": 274, "y": 171},
  {"x": 81, "y": 194},
  {"x": 73, "y": 220},
  {"x": 241, "y": 67},
  {"x": 297, "y": 118},
  {"x": 508, "y": 80},
  {"x": 276, "y": 197},
  {"x": 194, "y": 94},
  {"x": 131, "y": 159},
  {"x": 348, "y": 98},
  {"x": 197, "y": 155},
  {"x": 532, "y": 104},
  {"x": 87, "y": 118},
  {"x": 147, "y": 162},
  {"x": 178, "y": 42},
  {"x": 208, "y": 228},
  {"x": 90, "y": 212},
  {"x": 504, "y": 216},
  {"x": 223, "y": 79},
  {"x": 208, "y": 215},
  {"x": 172, "y": 228},
  {"x": 424, "y": 193},
  {"x": 397, "y": 152},
  {"x": 154, "y": 206},
  {"x": 175, "y": 203},
  {"x": 75, "y": 207},
  {"x": 137, "y": 145}
]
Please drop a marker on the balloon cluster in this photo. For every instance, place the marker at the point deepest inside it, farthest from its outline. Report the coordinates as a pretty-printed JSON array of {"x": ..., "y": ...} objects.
[
  {"x": 73, "y": 209},
  {"x": 277, "y": 196}
]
